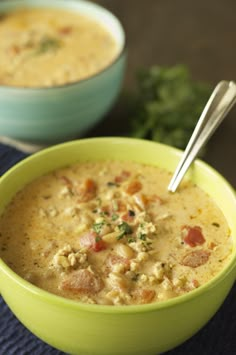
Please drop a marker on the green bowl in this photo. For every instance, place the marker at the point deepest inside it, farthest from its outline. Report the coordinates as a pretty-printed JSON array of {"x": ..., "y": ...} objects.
[
  {"x": 56, "y": 114},
  {"x": 78, "y": 328}
]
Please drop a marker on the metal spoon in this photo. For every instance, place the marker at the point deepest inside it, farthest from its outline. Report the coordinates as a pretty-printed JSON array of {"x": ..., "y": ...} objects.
[{"x": 219, "y": 104}]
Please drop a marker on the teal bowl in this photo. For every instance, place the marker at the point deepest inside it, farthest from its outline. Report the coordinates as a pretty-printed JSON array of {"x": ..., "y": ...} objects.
[{"x": 56, "y": 114}]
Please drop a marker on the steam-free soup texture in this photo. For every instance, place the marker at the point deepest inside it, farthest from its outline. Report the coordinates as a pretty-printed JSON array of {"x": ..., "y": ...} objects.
[
  {"x": 42, "y": 47},
  {"x": 110, "y": 233}
]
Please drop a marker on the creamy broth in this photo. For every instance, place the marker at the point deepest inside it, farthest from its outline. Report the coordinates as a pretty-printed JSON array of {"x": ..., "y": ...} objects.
[
  {"x": 117, "y": 239},
  {"x": 49, "y": 47}
]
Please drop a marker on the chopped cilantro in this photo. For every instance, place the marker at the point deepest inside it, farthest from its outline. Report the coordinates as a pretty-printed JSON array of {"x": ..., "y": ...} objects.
[
  {"x": 120, "y": 236},
  {"x": 111, "y": 183},
  {"x": 125, "y": 229},
  {"x": 142, "y": 236},
  {"x": 47, "y": 44},
  {"x": 114, "y": 217},
  {"x": 97, "y": 227},
  {"x": 168, "y": 105},
  {"x": 104, "y": 213}
]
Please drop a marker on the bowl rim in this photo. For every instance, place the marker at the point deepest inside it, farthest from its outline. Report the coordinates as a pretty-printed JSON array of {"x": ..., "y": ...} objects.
[
  {"x": 118, "y": 309},
  {"x": 116, "y": 59}
]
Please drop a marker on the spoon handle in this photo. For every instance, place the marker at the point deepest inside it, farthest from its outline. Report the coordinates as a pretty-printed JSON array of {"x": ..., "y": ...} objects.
[{"x": 219, "y": 104}]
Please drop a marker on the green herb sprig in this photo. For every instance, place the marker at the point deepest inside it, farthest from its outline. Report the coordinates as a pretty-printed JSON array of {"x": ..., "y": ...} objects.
[
  {"x": 97, "y": 227},
  {"x": 168, "y": 105}
]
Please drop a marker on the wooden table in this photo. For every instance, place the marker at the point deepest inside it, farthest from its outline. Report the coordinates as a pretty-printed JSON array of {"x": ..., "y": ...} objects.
[{"x": 200, "y": 34}]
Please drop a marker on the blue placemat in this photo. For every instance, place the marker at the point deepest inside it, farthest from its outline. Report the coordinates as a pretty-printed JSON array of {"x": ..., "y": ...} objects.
[{"x": 216, "y": 338}]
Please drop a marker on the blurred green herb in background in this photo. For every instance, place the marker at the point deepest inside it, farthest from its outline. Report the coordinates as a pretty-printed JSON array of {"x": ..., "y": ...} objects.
[
  {"x": 47, "y": 44},
  {"x": 168, "y": 105}
]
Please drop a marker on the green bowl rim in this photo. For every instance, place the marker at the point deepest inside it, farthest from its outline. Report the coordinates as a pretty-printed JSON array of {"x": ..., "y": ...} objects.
[
  {"x": 121, "y": 53},
  {"x": 120, "y": 309}
]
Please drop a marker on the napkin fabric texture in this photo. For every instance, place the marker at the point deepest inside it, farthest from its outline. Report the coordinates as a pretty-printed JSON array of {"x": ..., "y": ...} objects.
[{"x": 216, "y": 338}]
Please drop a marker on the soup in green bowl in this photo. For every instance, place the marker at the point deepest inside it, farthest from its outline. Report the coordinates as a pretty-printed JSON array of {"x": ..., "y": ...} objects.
[{"x": 111, "y": 168}]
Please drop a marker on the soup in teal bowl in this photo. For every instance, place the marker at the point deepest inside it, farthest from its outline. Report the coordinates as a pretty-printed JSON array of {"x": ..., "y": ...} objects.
[{"x": 63, "y": 64}]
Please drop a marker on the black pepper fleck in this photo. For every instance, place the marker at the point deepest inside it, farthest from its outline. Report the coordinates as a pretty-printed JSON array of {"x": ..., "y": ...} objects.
[{"x": 215, "y": 224}]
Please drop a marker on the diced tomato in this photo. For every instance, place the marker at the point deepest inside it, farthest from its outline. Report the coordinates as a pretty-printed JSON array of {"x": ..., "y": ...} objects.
[
  {"x": 90, "y": 186},
  {"x": 194, "y": 236},
  {"x": 124, "y": 175},
  {"x": 195, "y": 283},
  {"x": 87, "y": 190},
  {"x": 98, "y": 245},
  {"x": 133, "y": 187},
  {"x": 66, "y": 30},
  {"x": 118, "y": 206},
  {"x": 92, "y": 241}
]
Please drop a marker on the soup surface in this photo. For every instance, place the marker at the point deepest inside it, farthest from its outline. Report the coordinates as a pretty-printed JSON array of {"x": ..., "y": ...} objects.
[
  {"x": 110, "y": 233},
  {"x": 49, "y": 47}
]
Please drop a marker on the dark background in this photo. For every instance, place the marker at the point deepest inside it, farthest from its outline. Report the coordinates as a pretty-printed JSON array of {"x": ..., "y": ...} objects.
[{"x": 200, "y": 34}]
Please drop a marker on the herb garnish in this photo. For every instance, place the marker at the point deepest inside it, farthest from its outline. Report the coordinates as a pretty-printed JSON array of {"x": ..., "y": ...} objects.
[
  {"x": 97, "y": 227},
  {"x": 104, "y": 213},
  {"x": 131, "y": 240},
  {"x": 114, "y": 217},
  {"x": 142, "y": 236},
  {"x": 111, "y": 183},
  {"x": 168, "y": 105},
  {"x": 125, "y": 229},
  {"x": 47, "y": 44}
]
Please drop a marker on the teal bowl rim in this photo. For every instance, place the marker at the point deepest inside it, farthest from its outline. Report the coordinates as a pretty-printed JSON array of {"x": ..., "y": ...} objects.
[
  {"x": 121, "y": 53},
  {"x": 119, "y": 309}
]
